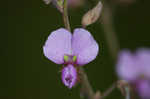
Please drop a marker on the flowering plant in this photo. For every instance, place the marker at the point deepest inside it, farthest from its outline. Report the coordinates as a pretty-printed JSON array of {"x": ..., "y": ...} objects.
[
  {"x": 70, "y": 50},
  {"x": 74, "y": 50}
]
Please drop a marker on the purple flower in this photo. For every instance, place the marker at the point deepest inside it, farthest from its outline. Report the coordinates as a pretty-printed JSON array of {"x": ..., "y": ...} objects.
[
  {"x": 143, "y": 87},
  {"x": 69, "y": 75},
  {"x": 135, "y": 68},
  {"x": 70, "y": 50}
]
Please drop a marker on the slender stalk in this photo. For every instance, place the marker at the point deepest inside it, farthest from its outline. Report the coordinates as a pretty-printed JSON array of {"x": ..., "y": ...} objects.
[
  {"x": 65, "y": 15},
  {"x": 108, "y": 91},
  {"x": 110, "y": 35},
  {"x": 86, "y": 88},
  {"x": 112, "y": 41},
  {"x": 123, "y": 86},
  {"x": 127, "y": 89}
]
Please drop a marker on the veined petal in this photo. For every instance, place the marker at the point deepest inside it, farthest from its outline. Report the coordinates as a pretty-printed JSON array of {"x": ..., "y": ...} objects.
[
  {"x": 84, "y": 46},
  {"x": 69, "y": 76},
  {"x": 57, "y": 45}
]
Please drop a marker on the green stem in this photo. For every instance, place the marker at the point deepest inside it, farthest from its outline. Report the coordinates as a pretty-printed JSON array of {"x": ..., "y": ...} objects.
[{"x": 65, "y": 15}]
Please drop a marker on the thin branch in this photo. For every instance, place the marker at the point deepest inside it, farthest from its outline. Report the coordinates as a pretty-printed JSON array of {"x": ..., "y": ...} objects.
[
  {"x": 108, "y": 91},
  {"x": 86, "y": 89},
  {"x": 122, "y": 86},
  {"x": 110, "y": 35},
  {"x": 127, "y": 89},
  {"x": 65, "y": 15}
]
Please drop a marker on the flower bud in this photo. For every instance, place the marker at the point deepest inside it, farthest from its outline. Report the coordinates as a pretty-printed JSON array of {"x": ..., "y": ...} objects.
[{"x": 92, "y": 15}]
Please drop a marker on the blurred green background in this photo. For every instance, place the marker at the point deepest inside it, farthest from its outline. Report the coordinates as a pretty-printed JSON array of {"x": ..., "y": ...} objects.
[{"x": 25, "y": 25}]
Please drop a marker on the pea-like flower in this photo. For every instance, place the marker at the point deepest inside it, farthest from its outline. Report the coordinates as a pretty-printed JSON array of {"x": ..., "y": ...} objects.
[
  {"x": 71, "y": 50},
  {"x": 135, "y": 68}
]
